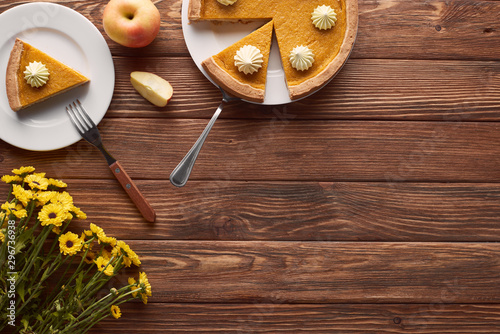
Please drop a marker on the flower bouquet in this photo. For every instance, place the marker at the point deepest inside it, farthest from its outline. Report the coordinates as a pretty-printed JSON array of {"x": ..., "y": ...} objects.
[{"x": 51, "y": 279}]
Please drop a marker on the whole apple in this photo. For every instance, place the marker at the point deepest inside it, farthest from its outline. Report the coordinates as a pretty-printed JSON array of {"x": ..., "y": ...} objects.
[{"x": 132, "y": 23}]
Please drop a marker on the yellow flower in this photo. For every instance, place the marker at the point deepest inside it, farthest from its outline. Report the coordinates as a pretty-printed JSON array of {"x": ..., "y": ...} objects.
[
  {"x": 70, "y": 243},
  {"x": 56, "y": 229},
  {"x": 96, "y": 230},
  {"x": 64, "y": 199},
  {"x": 15, "y": 209},
  {"x": 43, "y": 197},
  {"x": 145, "y": 287},
  {"x": 24, "y": 170},
  {"x": 134, "y": 287},
  {"x": 36, "y": 181},
  {"x": 57, "y": 183},
  {"x": 2, "y": 236},
  {"x": 22, "y": 195},
  {"x": 102, "y": 238},
  {"x": 11, "y": 179},
  {"x": 104, "y": 264},
  {"x": 89, "y": 257},
  {"x": 129, "y": 256},
  {"x": 79, "y": 213},
  {"x": 106, "y": 252},
  {"x": 115, "y": 311},
  {"x": 52, "y": 213}
]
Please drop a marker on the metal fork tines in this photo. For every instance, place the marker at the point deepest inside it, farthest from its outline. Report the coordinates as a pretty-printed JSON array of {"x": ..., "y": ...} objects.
[{"x": 88, "y": 130}]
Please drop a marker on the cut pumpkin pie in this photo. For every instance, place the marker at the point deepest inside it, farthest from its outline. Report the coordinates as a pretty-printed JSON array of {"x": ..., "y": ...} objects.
[
  {"x": 33, "y": 76},
  {"x": 315, "y": 37},
  {"x": 241, "y": 69}
]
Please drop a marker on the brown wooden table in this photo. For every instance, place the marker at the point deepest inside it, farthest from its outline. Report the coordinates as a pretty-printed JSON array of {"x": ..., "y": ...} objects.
[{"x": 372, "y": 206}]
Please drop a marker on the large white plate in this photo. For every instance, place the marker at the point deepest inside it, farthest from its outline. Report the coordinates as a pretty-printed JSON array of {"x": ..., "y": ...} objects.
[
  {"x": 69, "y": 37},
  {"x": 204, "y": 39}
]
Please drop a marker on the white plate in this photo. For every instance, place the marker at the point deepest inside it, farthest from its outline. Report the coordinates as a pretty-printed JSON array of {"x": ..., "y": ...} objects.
[
  {"x": 69, "y": 37},
  {"x": 204, "y": 39}
]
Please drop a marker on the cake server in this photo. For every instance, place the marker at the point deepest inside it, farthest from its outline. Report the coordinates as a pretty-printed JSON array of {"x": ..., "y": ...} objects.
[{"x": 180, "y": 174}]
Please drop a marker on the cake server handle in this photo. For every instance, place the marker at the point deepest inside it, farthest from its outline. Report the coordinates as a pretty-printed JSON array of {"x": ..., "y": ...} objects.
[{"x": 180, "y": 174}]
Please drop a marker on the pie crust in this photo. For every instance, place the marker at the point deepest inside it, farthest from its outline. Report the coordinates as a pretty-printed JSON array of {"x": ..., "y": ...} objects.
[{"x": 230, "y": 84}]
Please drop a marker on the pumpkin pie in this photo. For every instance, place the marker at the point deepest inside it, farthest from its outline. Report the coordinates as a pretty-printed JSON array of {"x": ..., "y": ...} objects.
[
  {"x": 20, "y": 93},
  {"x": 222, "y": 68},
  {"x": 294, "y": 27}
]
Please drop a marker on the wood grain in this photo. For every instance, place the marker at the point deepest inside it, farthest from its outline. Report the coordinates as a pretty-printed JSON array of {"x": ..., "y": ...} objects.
[
  {"x": 283, "y": 150},
  {"x": 320, "y": 272},
  {"x": 315, "y": 318},
  {"x": 427, "y": 29},
  {"x": 294, "y": 211},
  {"x": 364, "y": 89},
  {"x": 370, "y": 207}
]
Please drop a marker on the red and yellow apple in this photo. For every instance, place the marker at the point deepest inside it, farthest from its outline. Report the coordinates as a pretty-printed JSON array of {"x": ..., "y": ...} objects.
[{"x": 132, "y": 23}]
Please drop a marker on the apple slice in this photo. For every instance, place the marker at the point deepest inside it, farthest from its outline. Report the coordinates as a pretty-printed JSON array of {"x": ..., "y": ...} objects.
[{"x": 153, "y": 88}]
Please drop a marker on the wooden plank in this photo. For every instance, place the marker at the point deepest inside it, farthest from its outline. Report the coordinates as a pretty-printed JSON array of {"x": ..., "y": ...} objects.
[
  {"x": 426, "y": 29},
  {"x": 291, "y": 211},
  {"x": 283, "y": 150},
  {"x": 320, "y": 272},
  {"x": 314, "y": 318},
  {"x": 364, "y": 89}
]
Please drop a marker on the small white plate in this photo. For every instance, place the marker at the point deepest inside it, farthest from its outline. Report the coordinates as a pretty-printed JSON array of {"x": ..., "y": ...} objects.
[
  {"x": 72, "y": 39},
  {"x": 204, "y": 39}
]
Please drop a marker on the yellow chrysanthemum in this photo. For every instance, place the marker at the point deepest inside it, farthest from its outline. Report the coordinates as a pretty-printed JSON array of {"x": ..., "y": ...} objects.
[
  {"x": 106, "y": 252},
  {"x": 11, "y": 179},
  {"x": 24, "y": 170},
  {"x": 70, "y": 243},
  {"x": 15, "y": 209},
  {"x": 2, "y": 236},
  {"x": 89, "y": 257},
  {"x": 96, "y": 230},
  {"x": 86, "y": 245},
  {"x": 129, "y": 256},
  {"x": 43, "y": 197},
  {"x": 52, "y": 213},
  {"x": 36, "y": 181},
  {"x": 79, "y": 213},
  {"x": 115, "y": 311},
  {"x": 56, "y": 229},
  {"x": 22, "y": 195},
  {"x": 64, "y": 199},
  {"x": 134, "y": 287},
  {"x": 104, "y": 265},
  {"x": 145, "y": 287},
  {"x": 57, "y": 183}
]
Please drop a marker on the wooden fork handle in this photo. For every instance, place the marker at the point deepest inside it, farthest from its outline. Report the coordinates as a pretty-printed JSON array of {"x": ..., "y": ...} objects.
[{"x": 133, "y": 192}]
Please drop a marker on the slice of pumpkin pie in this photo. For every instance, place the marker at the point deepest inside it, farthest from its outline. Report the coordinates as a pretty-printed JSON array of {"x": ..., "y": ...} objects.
[
  {"x": 33, "y": 76},
  {"x": 241, "y": 69}
]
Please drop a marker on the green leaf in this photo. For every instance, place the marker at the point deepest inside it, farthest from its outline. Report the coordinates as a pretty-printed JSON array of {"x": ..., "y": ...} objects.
[
  {"x": 20, "y": 290},
  {"x": 25, "y": 323},
  {"x": 79, "y": 284}
]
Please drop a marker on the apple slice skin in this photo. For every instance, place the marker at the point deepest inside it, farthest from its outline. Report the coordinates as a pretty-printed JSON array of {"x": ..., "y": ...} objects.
[{"x": 152, "y": 87}]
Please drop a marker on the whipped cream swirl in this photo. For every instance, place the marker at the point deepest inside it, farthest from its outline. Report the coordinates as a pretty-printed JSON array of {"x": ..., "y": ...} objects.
[
  {"x": 36, "y": 74},
  {"x": 301, "y": 58},
  {"x": 248, "y": 59},
  {"x": 226, "y": 2},
  {"x": 324, "y": 17}
]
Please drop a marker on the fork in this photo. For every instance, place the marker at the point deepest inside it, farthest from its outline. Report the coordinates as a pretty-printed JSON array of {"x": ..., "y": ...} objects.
[{"x": 88, "y": 130}]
